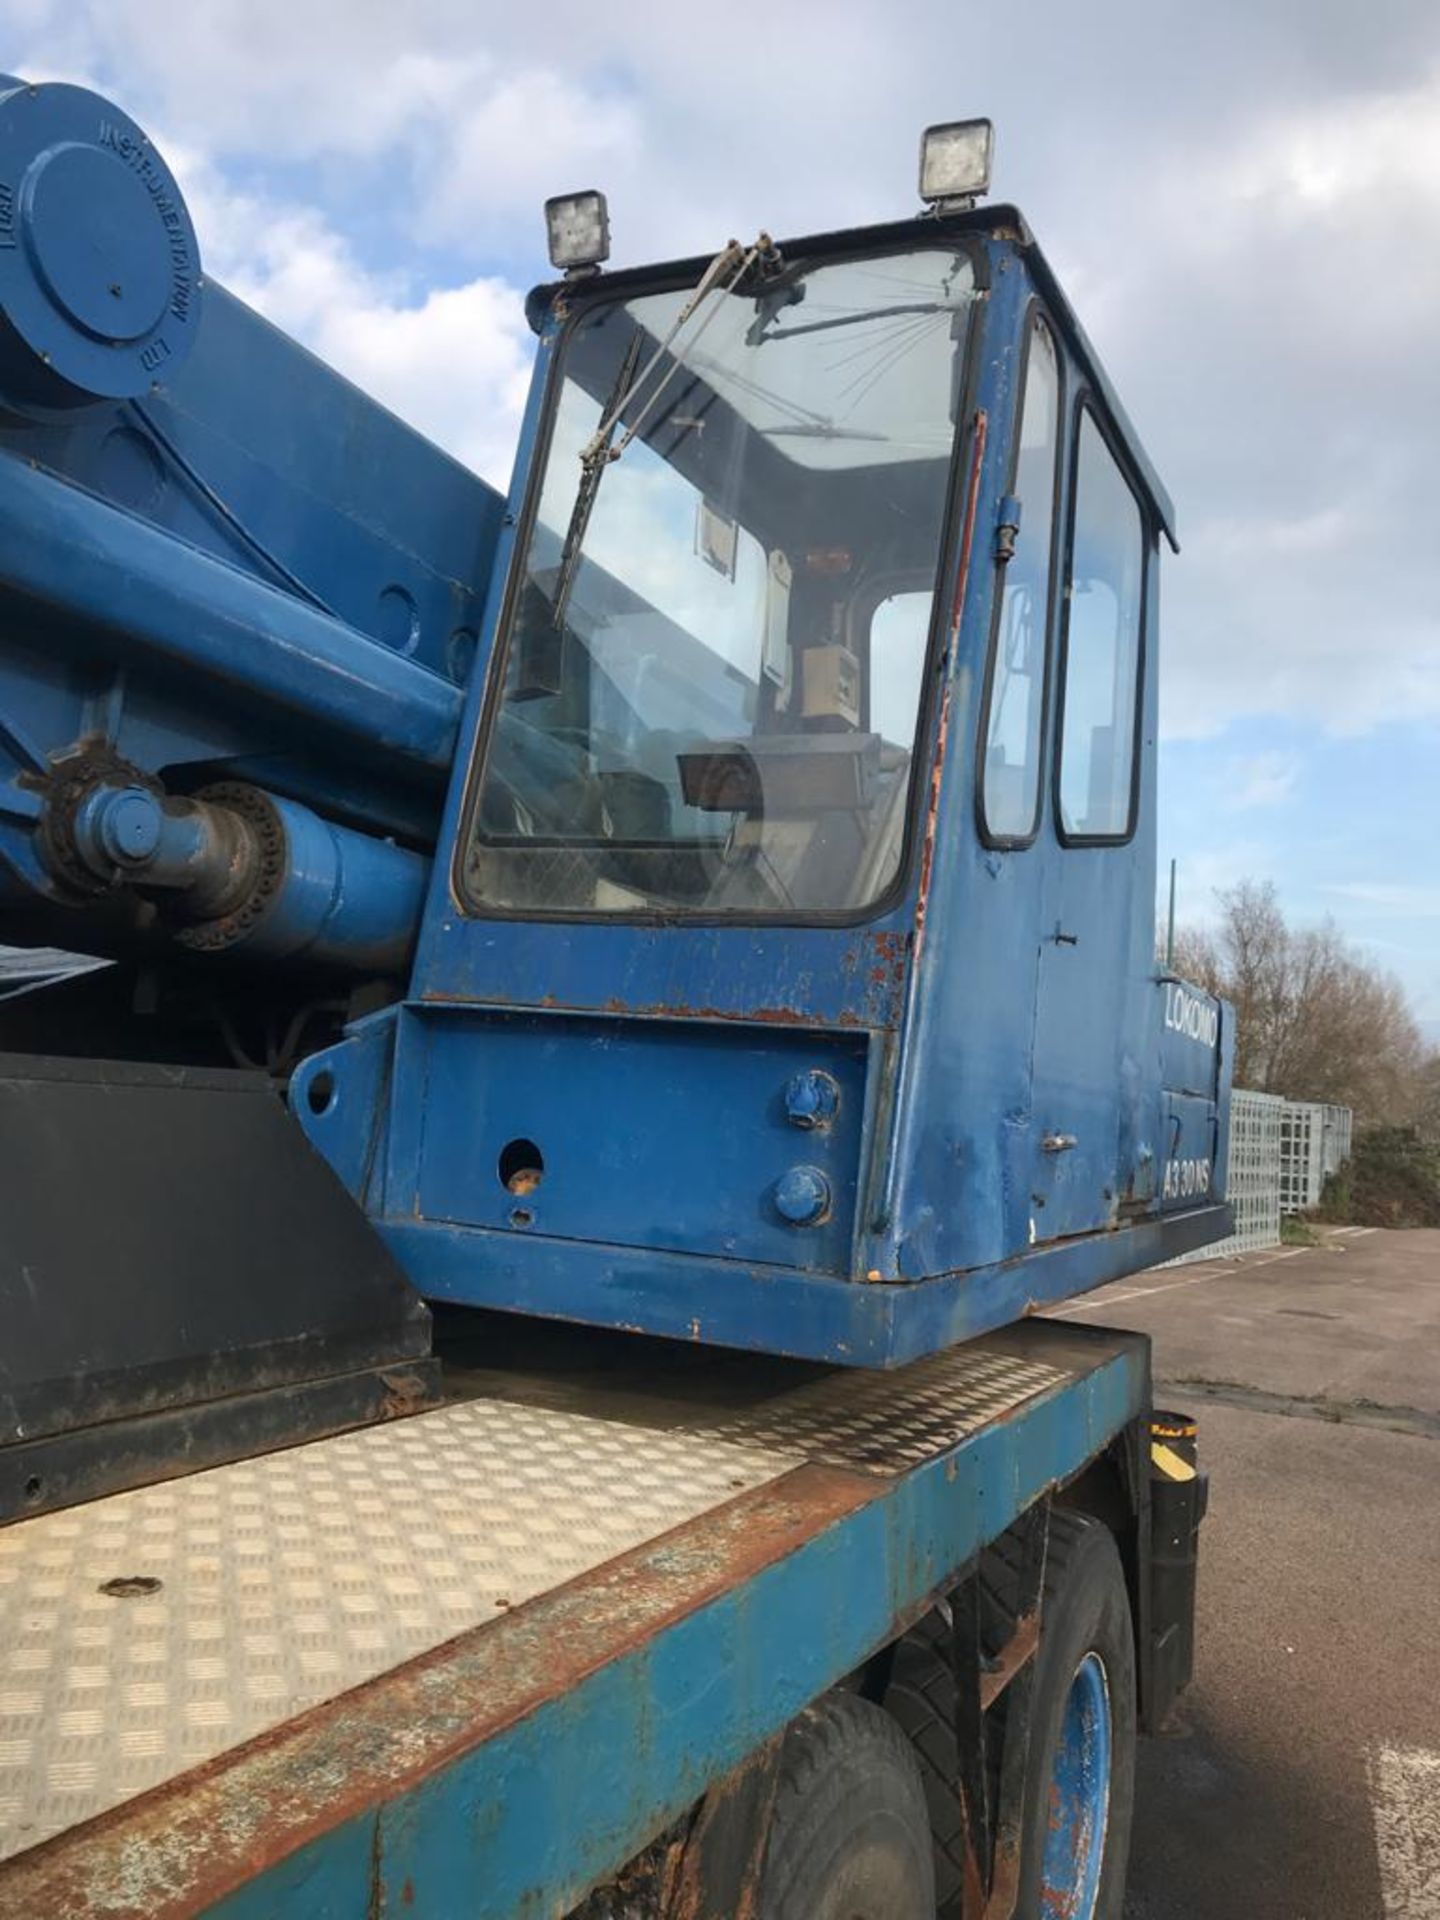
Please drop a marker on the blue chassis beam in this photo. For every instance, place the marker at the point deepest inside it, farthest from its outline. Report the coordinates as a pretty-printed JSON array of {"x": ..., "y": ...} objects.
[{"x": 501, "y": 1776}]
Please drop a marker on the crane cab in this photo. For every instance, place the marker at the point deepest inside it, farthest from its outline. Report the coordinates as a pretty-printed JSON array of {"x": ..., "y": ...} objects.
[{"x": 788, "y": 977}]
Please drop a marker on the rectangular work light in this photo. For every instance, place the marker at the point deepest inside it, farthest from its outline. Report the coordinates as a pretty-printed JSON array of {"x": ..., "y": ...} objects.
[
  {"x": 577, "y": 228},
  {"x": 955, "y": 161}
]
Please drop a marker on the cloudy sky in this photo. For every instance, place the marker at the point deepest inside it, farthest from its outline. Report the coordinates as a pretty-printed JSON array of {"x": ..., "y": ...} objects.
[{"x": 1243, "y": 197}]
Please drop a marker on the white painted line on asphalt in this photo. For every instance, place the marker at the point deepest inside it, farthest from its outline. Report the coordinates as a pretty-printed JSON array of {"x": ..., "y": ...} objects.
[
  {"x": 1229, "y": 1270},
  {"x": 1135, "y": 1293},
  {"x": 1405, "y": 1799}
]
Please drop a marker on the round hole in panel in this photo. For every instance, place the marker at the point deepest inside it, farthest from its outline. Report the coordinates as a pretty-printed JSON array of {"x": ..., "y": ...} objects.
[
  {"x": 320, "y": 1094},
  {"x": 521, "y": 1166}
]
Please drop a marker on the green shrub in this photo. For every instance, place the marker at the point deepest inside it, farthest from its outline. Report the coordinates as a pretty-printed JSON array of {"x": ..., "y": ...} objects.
[
  {"x": 1391, "y": 1180},
  {"x": 1295, "y": 1232}
]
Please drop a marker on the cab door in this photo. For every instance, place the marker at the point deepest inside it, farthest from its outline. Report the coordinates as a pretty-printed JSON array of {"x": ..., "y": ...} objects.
[
  {"x": 1098, "y": 914},
  {"x": 1011, "y": 873}
]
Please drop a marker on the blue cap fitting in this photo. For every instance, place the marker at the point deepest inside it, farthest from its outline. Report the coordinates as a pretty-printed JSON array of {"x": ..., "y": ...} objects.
[
  {"x": 812, "y": 1099},
  {"x": 118, "y": 826},
  {"x": 802, "y": 1196},
  {"x": 129, "y": 824}
]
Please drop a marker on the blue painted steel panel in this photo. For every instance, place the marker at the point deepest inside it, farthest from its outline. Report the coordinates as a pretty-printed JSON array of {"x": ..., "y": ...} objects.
[
  {"x": 841, "y": 977},
  {"x": 1192, "y": 1024},
  {"x": 345, "y": 1112},
  {"x": 655, "y": 1134},
  {"x": 1189, "y": 1172},
  {"x": 332, "y": 1879}
]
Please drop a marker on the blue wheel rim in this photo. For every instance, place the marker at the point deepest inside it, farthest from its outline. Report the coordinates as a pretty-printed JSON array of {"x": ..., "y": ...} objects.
[{"x": 1078, "y": 1801}]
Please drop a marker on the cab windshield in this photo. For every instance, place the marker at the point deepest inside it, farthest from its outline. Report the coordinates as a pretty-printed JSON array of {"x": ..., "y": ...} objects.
[{"x": 713, "y": 672}]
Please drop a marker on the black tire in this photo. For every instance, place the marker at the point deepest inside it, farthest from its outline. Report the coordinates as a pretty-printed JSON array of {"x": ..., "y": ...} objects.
[
  {"x": 920, "y": 1697},
  {"x": 1086, "y": 1609},
  {"x": 849, "y": 1835}
]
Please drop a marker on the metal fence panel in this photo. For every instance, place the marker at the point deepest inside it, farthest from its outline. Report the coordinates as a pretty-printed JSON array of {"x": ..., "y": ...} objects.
[
  {"x": 1338, "y": 1128},
  {"x": 1281, "y": 1154},
  {"x": 1252, "y": 1177},
  {"x": 1314, "y": 1143},
  {"x": 1302, "y": 1142}
]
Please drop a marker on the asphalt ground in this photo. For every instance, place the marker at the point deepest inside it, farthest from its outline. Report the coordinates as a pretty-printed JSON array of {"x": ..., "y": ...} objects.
[{"x": 1301, "y": 1777}]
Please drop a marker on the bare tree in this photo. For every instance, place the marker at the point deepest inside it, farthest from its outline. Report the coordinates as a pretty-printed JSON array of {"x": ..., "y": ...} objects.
[{"x": 1314, "y": 1020}]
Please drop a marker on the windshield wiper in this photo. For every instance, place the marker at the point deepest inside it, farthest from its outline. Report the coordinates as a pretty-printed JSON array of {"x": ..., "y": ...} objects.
[
  {"x": 603, "y": 448},
  {"x": 591, "y": 468},
  {"x": 821, "y": 430},
  {"x": 852, "y": 319}
]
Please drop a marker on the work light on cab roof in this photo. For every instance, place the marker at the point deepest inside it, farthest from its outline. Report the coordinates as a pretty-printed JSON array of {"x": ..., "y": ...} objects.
[
  {"x": 577, "y": 231},
  {"x": 955, "y": 159},
  {"x": 955, "y": 162}
]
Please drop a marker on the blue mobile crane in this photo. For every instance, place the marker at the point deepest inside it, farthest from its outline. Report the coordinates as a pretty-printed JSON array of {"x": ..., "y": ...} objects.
[{"x": 521, "y": 1390}]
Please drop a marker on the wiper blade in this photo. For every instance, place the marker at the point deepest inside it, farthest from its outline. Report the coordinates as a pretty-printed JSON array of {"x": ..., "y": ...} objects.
[
  {"x": 733, "y": 260},
  {"x": 593, "y": 462},
  {"x": 821, "y": 430},
  {"x": 853, "y": 319}
]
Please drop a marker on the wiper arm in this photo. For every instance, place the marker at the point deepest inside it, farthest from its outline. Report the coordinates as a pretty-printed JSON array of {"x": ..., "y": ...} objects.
[{"x": 603, "y": 448}]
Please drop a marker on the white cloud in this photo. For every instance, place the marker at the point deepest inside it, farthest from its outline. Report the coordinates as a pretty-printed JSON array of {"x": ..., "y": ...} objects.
[
  {"x": 523, "y": 138},
  {"x": 1259, "y": 780},
  {"x": 1320, "y": 160},
  {"x": 1272, "y": 330},
  {"x": 1421, "y": 901},
  {"x": 452, "y": 361}
]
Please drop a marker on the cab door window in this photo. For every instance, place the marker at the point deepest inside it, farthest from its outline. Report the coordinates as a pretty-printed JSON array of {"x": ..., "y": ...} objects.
[
  {"x": 1015, "y": 706},
  {"x": 1104, "y": 601}
]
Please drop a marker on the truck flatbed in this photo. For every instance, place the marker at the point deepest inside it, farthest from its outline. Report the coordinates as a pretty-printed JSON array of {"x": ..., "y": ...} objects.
[{"x": 474, "y": 1660}]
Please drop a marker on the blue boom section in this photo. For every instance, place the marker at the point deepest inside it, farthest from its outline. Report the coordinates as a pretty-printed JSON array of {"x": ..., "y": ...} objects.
[{"x": 222, "y": 563}]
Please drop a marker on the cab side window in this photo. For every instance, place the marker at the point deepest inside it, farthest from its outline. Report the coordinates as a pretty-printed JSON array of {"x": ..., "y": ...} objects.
[
  {"x": 1015, "y": 710},
  {"x": 1101, "y": 661}
]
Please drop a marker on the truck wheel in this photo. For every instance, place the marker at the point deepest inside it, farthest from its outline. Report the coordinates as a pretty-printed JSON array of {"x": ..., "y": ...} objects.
[
  {"x": 849, "y": 1834},
  {"x": 1077, "y": 1802},
  {"x": 1080, "y": 1781}
]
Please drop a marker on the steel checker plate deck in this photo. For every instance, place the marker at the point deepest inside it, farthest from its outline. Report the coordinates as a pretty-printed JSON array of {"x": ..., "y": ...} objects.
[
  {"x": 290, "y": 1579},
  {"x": 872, "y": 1422},
  {"x": 885, "y": 1423},
  {"x": 465, "y": 1779}
]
